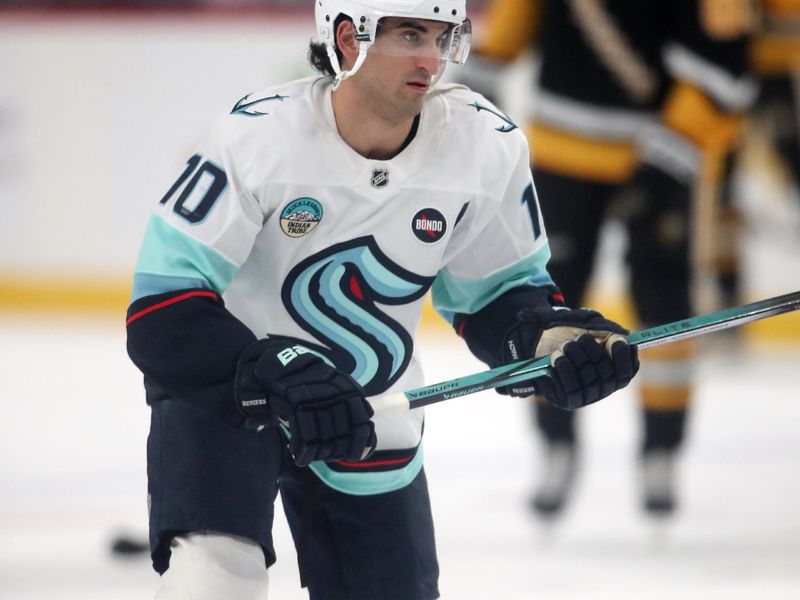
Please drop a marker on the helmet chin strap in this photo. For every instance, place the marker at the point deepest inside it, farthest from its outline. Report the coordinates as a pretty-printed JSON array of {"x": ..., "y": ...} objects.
[{"x": 342, "y": 75}]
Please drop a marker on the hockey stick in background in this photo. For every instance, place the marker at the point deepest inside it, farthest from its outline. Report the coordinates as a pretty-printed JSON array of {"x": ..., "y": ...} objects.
[{"x": 532, "y": 368}]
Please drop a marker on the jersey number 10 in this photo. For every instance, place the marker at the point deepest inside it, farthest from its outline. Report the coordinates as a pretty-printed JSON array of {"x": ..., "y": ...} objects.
[{"x": 201, "y": 192}]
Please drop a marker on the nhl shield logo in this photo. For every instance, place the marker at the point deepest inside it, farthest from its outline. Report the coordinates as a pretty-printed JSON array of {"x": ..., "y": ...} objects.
[{"x": 380, "y": 178}]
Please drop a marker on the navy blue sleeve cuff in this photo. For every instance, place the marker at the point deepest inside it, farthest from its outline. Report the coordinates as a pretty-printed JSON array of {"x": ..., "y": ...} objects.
[
  {"x": 187, "y": 344},
  {"x": 485, "y": 330}
]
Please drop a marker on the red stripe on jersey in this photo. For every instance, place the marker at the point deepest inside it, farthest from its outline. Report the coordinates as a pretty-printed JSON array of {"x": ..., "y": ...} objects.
[
  {"x": 174, "y": 300},
  {"x": 373, "y": 463}
]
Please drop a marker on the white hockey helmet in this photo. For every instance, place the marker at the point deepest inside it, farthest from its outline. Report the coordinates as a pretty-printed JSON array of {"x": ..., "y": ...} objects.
[{"x": 366, "y": 14}]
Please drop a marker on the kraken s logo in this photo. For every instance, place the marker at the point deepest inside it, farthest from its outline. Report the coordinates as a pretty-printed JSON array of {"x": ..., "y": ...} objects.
[
  {"x": 244, "y": 106},
  {"x": 509, "y": 125},
  {"x": 334, "y": 296}
]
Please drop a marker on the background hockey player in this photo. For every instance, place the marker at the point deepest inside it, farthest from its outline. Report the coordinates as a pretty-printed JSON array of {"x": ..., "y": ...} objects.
[
  {"x": 775, "y": 118},
  {"x": 280, "y": 283},
  {"x": 636, "y": 97},
  {"x": 775, "y": 57}
]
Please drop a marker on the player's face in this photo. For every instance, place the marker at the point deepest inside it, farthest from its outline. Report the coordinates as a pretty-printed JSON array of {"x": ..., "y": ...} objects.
[{"x": 403, "y": 63}]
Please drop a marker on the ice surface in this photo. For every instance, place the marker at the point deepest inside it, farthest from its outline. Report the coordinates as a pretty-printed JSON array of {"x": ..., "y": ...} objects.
[{"x": 72, "y": 466}]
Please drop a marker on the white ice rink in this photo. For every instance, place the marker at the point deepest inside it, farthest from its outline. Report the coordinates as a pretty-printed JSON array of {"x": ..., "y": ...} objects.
[{"x": 72, "y": 466}]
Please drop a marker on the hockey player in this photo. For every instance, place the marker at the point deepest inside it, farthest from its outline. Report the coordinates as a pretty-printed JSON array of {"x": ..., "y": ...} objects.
[
  {"x": 279, "y": 286},
  {"x": 775, "y": 58},
  {"x": 634, "y": 101},
  {"x": 775, "y": 62}
]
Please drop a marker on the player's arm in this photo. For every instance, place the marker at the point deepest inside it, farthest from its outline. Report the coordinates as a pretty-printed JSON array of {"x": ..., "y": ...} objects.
[
  {"x": 179, "y": 332},
  {"x": 499, "y": 297},
  {"x": 191, "y": 348},
  {"x": 187, "y": 345},
  {"x": 709, "y": 89},
  {"x": 509, "y": 27}
]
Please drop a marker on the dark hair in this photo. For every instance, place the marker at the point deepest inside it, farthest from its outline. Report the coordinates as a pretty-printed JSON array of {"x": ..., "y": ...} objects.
[{"x": 318, "y": 54}]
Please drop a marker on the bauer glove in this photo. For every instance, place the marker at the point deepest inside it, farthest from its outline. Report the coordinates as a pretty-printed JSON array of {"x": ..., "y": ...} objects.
[
  {"x": 590, "y": 356},
  {"x": 325, "y": 410}
]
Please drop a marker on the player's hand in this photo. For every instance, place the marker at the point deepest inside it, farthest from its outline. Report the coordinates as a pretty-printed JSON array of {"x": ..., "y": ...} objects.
[
  {"x": 590, "y": 356},
  {"x": 325, "y": 410}
]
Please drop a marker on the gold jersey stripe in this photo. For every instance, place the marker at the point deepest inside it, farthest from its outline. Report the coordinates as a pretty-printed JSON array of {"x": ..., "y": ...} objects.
[
  {"x": 508, "y": 28},
  {"x": 690, "y": 112},
  {"x": 782, "y": 7},
  {"x": 663, "y": 398},
  {"x": 579, "y": 156},
  {"x": 775, "y": 54}
]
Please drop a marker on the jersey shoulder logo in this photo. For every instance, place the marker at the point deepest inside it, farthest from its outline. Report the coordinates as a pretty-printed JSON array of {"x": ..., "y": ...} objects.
[
  {"x": 300, "y": 217},
  {"x": 429, "y": 225},
  {"x": 508, "y": 125},
  {"x": 245, "y": 108}
]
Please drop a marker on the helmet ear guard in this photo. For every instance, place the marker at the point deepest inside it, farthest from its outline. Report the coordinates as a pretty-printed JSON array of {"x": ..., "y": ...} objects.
[{"x": 366, "y": 14}]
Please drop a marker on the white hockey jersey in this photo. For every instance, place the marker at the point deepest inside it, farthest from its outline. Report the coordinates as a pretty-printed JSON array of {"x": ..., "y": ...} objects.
[{"x": 306, "y": 238}]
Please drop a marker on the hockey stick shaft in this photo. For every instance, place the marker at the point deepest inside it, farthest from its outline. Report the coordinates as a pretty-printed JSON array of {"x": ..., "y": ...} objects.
[{"x": 530, "y": 369}]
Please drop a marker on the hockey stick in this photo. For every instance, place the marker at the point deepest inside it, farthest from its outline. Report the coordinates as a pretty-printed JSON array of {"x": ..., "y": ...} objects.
[{"x": 532, "y": 368}]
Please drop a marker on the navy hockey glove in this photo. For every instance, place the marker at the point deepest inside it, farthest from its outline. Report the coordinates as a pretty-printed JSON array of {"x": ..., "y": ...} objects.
[
  {"x": 325, "y": 410},
  {"x": 589, "y": 355}
]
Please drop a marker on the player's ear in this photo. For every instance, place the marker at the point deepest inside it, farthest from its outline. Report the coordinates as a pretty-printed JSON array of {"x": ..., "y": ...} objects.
[{"x": 346, "y": 43}]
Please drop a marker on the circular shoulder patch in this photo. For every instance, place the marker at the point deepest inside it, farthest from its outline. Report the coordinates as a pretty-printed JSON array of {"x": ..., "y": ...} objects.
[
  {"x": 300, "y": 216},
  {"x": 429, "y": 225}
]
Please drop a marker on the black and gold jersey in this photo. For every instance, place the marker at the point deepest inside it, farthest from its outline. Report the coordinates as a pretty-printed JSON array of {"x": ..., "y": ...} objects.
[
  {"x": 776, "y": 45},
  {"x": 610, "y": 67}
]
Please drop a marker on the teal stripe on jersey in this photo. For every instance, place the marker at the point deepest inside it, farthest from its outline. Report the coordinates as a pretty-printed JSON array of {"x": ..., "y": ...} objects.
[
  {"x": 170, "y": 253},
  {"x": 369, "y": 483},
  {"x": 451, "y": 295},
  {"x": 145, "y": 284},
  {"x": 366, "y": 483}
]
